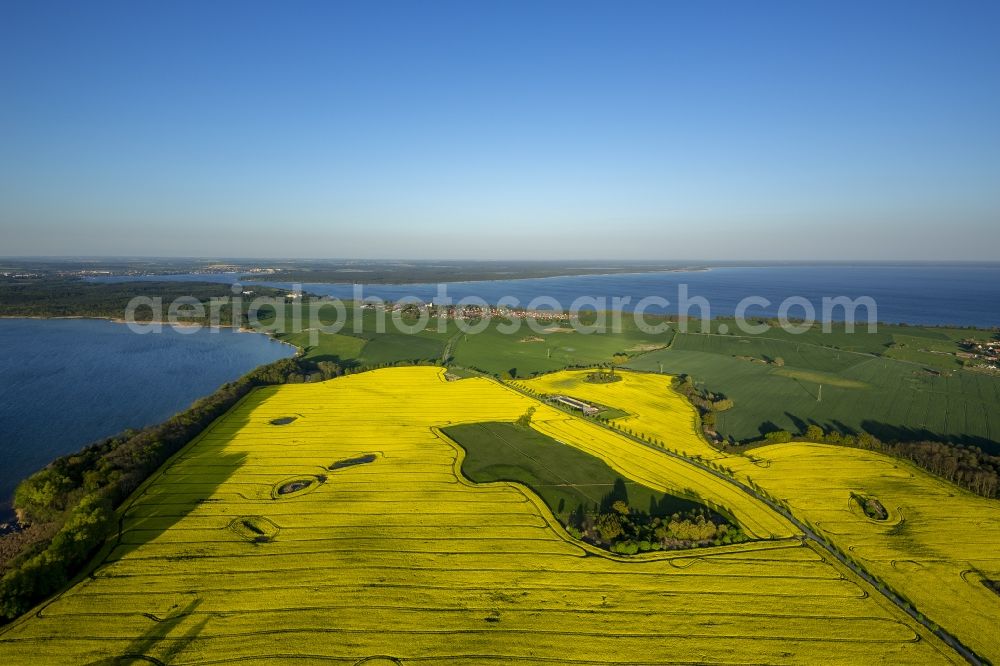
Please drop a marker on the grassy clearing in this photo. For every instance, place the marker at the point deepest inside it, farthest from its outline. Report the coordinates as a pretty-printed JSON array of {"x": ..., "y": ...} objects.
[
  {"x": 665, "y": 474},
  {"x": 612, "y": 414},
  {"x": 403, "y": 557},
  {"x": 330, "y": 347},
  {"x": 562, "y": 476},
  {"x": 394, "y": 347}
]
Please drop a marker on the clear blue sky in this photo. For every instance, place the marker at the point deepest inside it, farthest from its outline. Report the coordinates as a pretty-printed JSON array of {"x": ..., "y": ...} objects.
[{"x": 660, "y": 130}]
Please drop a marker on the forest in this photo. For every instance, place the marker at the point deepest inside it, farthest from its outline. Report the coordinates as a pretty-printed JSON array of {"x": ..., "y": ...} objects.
[{"x": 68, "y": 297}]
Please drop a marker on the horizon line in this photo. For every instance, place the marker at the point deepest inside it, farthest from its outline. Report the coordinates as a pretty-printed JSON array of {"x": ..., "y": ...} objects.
[{"x": 688, "y": 263}]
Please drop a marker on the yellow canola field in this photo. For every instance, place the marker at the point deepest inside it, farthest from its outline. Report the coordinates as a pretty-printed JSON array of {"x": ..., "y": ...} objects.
[
  {"x": 654, "y": 408},
  {"x": 658, "y": 411},
  {"x": 401, "y": 557},
  {"x": 661, "y": 472},
  {"x": 938, "y": 545}
]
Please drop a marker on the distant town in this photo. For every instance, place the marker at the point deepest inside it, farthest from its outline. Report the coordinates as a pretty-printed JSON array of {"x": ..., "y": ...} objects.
[
  {"x": 468, "y": 312},
  {"x": 980, "y": 355}
]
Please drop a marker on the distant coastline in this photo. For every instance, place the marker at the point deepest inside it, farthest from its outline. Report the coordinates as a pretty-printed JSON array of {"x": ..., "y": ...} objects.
[
  {"x": 258, "y": 278},
  {"x": 917, "y": 293},
  {"x": 121, "y": 321}
]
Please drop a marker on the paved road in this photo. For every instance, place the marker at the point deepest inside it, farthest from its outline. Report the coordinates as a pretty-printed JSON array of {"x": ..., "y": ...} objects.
[{"x": 808, "y": 533}]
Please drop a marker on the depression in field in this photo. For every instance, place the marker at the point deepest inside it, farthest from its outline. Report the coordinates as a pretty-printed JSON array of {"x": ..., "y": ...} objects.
[{"x": 473, "y": 334}]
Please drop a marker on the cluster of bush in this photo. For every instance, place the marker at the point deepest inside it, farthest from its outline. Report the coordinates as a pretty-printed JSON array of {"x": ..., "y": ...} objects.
[
  {"x": 73, "y": 500},
  {"x": 625, "y": 530},
  {"x": 707, "y": 403},
  {"x": 602, "y": 376},
  {"x": 871, "y": 506}
]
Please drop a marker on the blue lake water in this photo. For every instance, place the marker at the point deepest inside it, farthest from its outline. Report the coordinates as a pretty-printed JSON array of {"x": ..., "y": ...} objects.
[
  {"x": 959, "y": 294},
  {"x": 69, "y": 382}
]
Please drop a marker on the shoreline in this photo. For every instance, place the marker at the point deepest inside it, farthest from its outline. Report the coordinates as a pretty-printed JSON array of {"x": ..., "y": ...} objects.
[
  {"x": 9, "y": 520},
  {"x": 120, "y": 321},
  {"x": 966, "y": 317},
  {"x": 694, "y": 269},
  {"x": 261, "y": 279},
  {"x": 722, "y": 317}
]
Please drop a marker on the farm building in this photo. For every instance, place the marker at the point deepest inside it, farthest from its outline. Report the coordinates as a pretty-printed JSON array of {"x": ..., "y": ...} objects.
[{"x": 587, "y": 409}]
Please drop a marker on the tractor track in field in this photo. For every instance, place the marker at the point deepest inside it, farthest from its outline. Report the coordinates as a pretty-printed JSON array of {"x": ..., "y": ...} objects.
[{"x": 883, "y": 589}]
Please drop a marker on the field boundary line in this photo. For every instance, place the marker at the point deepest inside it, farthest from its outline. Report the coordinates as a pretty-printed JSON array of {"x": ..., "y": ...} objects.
[
  {"x": 554, "y": 524},
  {"x": 808, "y": 533}
]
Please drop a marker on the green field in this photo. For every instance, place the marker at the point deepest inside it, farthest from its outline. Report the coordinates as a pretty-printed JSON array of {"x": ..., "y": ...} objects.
[
  {"x": 901, "y": 383},
  {"x": 387, "y": 348},
  {"x": 889, "y": 398},
  {"x": 860, "y": 340},
  {"x": 563, "y": 476},
  {"x": 330, "y": 347},
  {"x": 366, "y": 345},
  {"x": 530, "y": 352}
]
